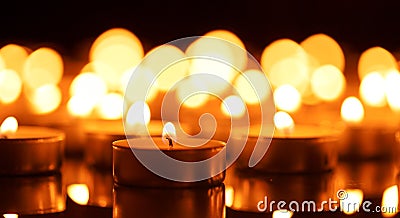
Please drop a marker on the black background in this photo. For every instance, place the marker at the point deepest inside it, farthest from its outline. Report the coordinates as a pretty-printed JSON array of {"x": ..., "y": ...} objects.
[{"x": 71, "y": 27}]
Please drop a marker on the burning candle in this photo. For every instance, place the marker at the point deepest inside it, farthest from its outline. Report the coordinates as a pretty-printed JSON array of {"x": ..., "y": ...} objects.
[
  {"x": 364, "y": 139},
  {"x": 184, "y": 160},
  {"x": 29, "y": 149},
  {"x": 293, "y": 148}
]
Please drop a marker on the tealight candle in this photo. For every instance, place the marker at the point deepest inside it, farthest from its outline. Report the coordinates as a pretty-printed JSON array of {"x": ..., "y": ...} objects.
[
  {"x": 365, "y": 139},
  {"x": 129, "y": 170},
  {"x": 300, "y": 148},
  {"x": 29, "y": 149}
]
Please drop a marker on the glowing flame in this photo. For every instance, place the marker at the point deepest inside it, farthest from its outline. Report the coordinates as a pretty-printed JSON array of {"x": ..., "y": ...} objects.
[
  {"x": 10, "y": 215},
  {"x": 42, "y": 67},
  {"x": 282, "y": 214},
  {"x": 137, "y": 118},
  {"x": 287, "y": 98},
  {"x": 251, "y": 86},
  {"x": 233, "y": 106},
  {"x": 372, "y": 90},
  {"x": 327, "y": 82},
  {"x": 392, "y": 84},
  {"x": 283, "y": 122},
  {"x": 110, "y": 107},
  {"x": 10, "y": 86},
  {"x": 390, "y": 201},
  {"x": 79, "y": 193},
  {"x": 169, "y": 131},
  {"x": 88, "y": 84},
  {"x": 9, "y": 126},
  {"x": 229, "y": 196},
  {"x": 352, "y": 202},
  {"x": 352, "y": 110},
  {"x": 325, "y": 50}
]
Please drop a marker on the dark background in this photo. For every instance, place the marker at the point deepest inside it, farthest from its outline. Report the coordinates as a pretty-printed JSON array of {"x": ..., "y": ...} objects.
[{"x": 70, "y": 28}]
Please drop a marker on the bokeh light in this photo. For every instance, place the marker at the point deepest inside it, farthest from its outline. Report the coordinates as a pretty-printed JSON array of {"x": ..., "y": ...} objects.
[
  {"x": 168, "y": 63},
  {"x": 282, "y": 214},
  {"x": 283, "y": 121},
  {"x": 45, "y": 99},
  {"x": 252, "y": 86},
  {"x": 390, "y": 201},
  {"x": 190, "y": 93},
  {"x": 110, "y": 106},
  {"x": 327, "y": 82},
  {"x": 88, "y": 84},
  {"x": 233, "y": 106},
  {"x": 42, "y": 67},
  {"x": 392, "y": 85},
  {"x": 372, "y": 90},
  {"x": 142, "y": 85},
  {"x": 376, "y": 59},
  {"x": 287, "y": 98},
  {"x": 324, "y": 50},
  {"x": 14, "y": 57},
  {"x": 79, "y": 193},
  {"x": 352, "y": 203},
  {"x": 10, "y": 86},
  {"x": 352, "y": 111}
]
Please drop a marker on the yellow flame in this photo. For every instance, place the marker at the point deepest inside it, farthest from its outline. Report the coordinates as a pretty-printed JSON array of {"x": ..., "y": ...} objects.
[
  {"x": 137, "y": 118},
  {"x": 376, "y": 59},
  {"x": 233, "y": 106},
  {"x": 43, "y": 66},
  {"x": 168, "y": 63},
  {"x": 14, "y": 57},
  {"x": 229, "y": 195},
  {"x": 390, "y": 201},
  {"x": 352, "y": 111},
  {"x": 325, "y": 50},
  {"x": 168, "y": 131},
  {"x": 392, "y": 84},
  {"x": 118, "y": 49},
  {"x": 110, "y": 106},
  {"x": 287, "y": 98},
  {"x": 282, "y": 214},
  {"x": 283, "y": 122},
  {"x": 9, "y": 125},
  {"x": 79, "y": 193},
  {"x": 10, "y": 86},
  {"x": 327, "y": 82},
  {"x": 352, "y": 202},
  {"x": 372, "y": 90},
  {"x": 45, "y": 99},
  {"x": 252, "y": 86},
  {"x": 10, "y": 215}
]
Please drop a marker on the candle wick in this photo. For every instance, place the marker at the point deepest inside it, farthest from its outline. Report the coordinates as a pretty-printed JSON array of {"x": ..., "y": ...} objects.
[{"x": 169, "y": 142}]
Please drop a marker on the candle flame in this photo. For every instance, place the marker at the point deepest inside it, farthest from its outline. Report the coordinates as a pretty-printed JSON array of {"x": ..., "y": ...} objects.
[
  {"x": 390, "y": 201},
  {"x": 283, "y": 122},
  {"x": 352, "y": 110},
  {"x": 169, "y": 133},
  {"x": 9, "y": 125},
  {"x": 10, "y": 215},
  {"x": 352, "y": 202},
  {"x": 282, "y": 214},
  {"x": 79, "y": 193}
]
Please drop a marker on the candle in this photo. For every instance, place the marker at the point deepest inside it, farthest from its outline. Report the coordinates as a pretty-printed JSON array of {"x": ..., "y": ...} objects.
[
  {"x": 365, "y": 139},
  {"x": 29, "y": 149},
  {"x": 29, "y": 195},
  {"x": 169, "y": 202},
  {"x": 300, "y": 148},
  {"x": 178, "y": 162}
]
